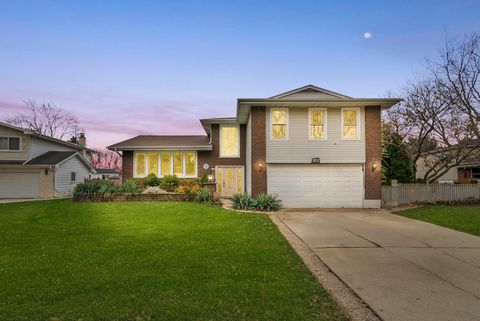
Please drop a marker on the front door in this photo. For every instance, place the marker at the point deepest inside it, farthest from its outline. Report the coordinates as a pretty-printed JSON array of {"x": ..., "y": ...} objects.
[{"x": 229, "y": 180}]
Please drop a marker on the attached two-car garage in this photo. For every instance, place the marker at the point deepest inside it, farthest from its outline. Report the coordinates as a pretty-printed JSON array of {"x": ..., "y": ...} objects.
[
  {"x": 317, "y": 185},
  {"x": 20, "y": 184}
]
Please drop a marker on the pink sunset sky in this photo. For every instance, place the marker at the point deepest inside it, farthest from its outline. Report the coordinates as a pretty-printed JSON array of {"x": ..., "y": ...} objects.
[{"x": 157, "y": 67}]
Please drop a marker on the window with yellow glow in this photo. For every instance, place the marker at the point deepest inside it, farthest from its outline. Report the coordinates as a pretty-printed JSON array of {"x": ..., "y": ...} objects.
[
  {"x": 229, "y": 141},
  {"x": 219, "y": 179},
  {"x": 166, "y": 164},
  {"x": 190, "y": 164},
  {"x": 153, "y": 163},
  {"x": 140, "y": 166},
  {"x": 239, "y": 180},
  {"x": 350, "y": 123},
  {"x": 178, "y": 164},
  {"x": 317, "y": 123},
  {"x": 279, "y": 123}
]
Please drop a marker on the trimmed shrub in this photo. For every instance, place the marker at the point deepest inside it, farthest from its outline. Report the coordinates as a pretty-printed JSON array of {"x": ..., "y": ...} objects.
[
  {"x": 151, "y": 180},
  {"x": 267, "y": 202},
  {"x": 205, "y": 195},
  {"x": 169, "y": 182},
  {"x": 87, "y": 188},
  {"x": 242, "y": 201}
]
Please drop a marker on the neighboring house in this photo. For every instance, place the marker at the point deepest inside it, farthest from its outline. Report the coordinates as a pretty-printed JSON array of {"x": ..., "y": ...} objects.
[
  {"x": 37, "y": 166},
  {"x": 105, "y": 173},
  {"x": 311, "y": 146},
  {"x": 467, "y": 172}
]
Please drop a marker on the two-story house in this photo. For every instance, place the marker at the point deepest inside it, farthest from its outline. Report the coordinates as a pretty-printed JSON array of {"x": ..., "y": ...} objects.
[
  {"x": 311, "y": 146},
  {"x": 38, "y": 166}
]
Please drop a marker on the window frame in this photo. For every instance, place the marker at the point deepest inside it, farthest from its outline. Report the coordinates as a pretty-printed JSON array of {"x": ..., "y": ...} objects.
[
  {"x": 74, "y": 176},
  {"x": 325, "y": 124},
  {"x": 220, "y": 154},
  {"x": 20, "y": 149},
  {"x": 287, "y": 125},
  {"x": 357, "y": 110},
  {"x": 160, "y": 162}
]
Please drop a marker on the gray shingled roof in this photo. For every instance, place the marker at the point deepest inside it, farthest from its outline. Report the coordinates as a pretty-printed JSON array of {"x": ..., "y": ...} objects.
[
  {"x": 50, "y": 158},
  {"x": 163, "y": 141}
]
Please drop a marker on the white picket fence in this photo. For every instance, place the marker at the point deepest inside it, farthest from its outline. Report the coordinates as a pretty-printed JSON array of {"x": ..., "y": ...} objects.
[{"x": 413, "y": 193}]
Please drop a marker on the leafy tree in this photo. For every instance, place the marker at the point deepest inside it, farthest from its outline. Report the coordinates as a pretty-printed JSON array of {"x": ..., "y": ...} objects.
[{"x": 395, "y": 159}]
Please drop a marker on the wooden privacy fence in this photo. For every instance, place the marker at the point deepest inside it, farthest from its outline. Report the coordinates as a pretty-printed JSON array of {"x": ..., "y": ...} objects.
[{"x": 428, "y": 193}]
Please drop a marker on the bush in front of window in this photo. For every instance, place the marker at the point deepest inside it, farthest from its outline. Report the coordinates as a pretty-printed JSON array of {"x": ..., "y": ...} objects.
[
  {"x": 151, "y": 180},
  {"x": 169, "y": 182}
]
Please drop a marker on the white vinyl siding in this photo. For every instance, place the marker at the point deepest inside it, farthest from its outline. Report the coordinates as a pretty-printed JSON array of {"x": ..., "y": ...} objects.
[
  {"x": 63, "y": 175},
  {"x": 324, "y": 185},
  {"x": 248, "y": 154},
  {"x": 41, "y": 146},
  {"x": 299, "y": 149}
]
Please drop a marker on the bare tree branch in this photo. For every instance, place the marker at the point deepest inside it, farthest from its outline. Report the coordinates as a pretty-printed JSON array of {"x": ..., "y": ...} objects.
[{"x": 46, "y": 119}]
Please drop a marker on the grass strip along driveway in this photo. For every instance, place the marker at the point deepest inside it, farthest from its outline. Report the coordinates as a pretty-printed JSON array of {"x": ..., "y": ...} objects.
[
  {"x": 460, "y": 218},
  {"x": 150, "y": 261}
]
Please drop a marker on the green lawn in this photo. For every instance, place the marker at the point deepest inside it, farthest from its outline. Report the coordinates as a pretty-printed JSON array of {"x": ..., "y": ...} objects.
[
  {"x": 461, "y": 218},
  {"x": 150, "y": 261}
]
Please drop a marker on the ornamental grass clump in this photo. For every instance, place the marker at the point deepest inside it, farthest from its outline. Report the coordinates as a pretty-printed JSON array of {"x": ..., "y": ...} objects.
[
  {"x": 205, "y": 195},
  {"x": 242, "y": 201},
  {"x": 261, "y": 202}
]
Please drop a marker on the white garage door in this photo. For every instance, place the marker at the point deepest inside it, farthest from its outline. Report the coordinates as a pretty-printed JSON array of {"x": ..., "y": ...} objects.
[
  {"x": 19, "y": 185},
  {"x": 327, "y": 186}
]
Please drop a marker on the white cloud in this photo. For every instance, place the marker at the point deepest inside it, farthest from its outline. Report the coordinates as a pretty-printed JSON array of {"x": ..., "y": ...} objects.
[{"x": 367, "y": 35}]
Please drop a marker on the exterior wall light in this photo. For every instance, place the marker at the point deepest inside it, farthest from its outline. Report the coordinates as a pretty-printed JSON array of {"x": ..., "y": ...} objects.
[
  {"x": 260, "y": 166},
  {"x": 210, "y": 178},
  {"x": 374, "y": 166}
]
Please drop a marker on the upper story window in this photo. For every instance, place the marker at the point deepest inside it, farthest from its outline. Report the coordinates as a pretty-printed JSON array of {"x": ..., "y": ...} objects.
[
  {"x": 9, "y": 143},
  {"x": 229, "y": 141},
  {"x": 317, "y": 123},
  {"x": 279, "y": 123},
  {"x": 350, "y": 123}
]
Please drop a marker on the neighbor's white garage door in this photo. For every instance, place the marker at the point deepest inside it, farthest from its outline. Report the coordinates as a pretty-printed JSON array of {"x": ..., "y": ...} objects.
[
  {"x": 19, "y": 185},
  {"x": 321, "y": 185}
]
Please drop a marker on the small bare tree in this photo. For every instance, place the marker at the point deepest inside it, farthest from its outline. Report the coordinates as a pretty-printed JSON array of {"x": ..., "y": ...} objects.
[
  {"x": 46, "y": 119},
  {"x": 458, "y": 73},
  {"x": 436, "y": 136},
  {"x": 106, "y": 159}
]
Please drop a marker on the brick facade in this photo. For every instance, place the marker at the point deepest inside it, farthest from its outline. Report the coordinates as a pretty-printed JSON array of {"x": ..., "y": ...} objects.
[
  {"x": 373, "y": 153},
  {"x": 127, "y": 164},
  {"x": 212, "y": 157},
  {"x": 259, "y": 150}
]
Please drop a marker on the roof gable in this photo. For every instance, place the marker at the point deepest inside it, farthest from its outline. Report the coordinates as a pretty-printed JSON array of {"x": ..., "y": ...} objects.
[{"x": 309, "y": 92}]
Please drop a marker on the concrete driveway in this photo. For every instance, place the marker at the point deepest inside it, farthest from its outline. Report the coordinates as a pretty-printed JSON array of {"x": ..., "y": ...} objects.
[{"x": 403, "y": 269}]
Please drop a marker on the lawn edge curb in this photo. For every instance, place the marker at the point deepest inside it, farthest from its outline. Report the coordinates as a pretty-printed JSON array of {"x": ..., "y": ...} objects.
[{"x": 353, "y": 306}]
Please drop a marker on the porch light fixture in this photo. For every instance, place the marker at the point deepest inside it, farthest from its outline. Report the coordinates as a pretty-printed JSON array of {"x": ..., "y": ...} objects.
[
  {"x": 374, "y": 166},
  {"x": 210, "y": 178},
  {"x": 260, "y": 166}
]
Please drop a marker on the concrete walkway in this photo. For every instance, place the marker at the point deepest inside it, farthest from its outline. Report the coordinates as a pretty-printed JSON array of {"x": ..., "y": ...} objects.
[{"x": 403, "y": 269}]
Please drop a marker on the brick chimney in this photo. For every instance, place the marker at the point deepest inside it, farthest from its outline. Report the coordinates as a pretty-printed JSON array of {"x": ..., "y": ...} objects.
[{"x": 82, "y": 141}]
